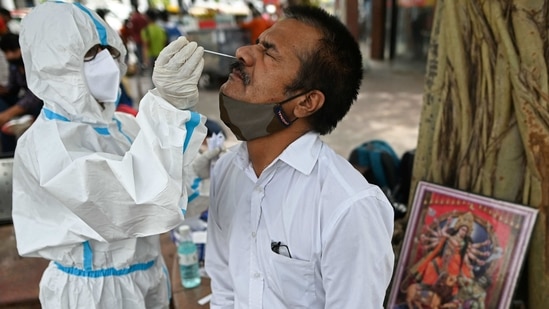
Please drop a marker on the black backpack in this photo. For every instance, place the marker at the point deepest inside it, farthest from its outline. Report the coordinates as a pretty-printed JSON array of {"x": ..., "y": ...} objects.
[{"x": 405, "y": 176}]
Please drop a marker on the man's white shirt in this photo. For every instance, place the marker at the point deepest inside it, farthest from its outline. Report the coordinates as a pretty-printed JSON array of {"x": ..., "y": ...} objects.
[{"x": 336, "y": 227}]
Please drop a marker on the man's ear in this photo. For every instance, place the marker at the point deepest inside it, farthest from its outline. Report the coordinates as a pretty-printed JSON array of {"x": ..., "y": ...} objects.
[{"x": 313, "y": 101}]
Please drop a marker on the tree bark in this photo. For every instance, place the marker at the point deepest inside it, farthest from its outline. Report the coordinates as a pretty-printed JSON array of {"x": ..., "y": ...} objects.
[{"x": 485, "y": 119}]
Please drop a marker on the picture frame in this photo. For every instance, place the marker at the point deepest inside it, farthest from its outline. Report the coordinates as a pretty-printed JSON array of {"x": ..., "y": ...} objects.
[{"x": 460, "y": 250}]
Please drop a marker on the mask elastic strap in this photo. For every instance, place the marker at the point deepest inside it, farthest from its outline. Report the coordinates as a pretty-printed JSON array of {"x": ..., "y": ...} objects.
[{"x": 281, "y": 115}]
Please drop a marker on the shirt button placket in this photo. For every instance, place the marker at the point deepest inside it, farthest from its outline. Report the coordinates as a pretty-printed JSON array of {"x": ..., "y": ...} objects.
[{"x": 256, "y": 281}]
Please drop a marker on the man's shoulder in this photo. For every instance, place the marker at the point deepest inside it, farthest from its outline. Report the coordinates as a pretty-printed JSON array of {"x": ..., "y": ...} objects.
[{"x": 337, "y": 169}]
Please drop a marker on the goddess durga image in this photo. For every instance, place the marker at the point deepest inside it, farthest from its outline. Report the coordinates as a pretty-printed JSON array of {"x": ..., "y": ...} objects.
[{"x": 449, "y": 262}]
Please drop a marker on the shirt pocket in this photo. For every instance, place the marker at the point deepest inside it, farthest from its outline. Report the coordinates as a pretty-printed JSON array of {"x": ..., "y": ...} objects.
[{"x": 293, "y": 279}]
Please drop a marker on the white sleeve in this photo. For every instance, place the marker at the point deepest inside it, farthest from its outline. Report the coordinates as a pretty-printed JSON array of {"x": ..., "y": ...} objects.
[
  {"x": 74, "y": 184},
  {"x": 358, "y": 253}
]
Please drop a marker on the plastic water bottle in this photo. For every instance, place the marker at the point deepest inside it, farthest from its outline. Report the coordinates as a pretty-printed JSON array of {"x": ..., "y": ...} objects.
[{"x": 188, "y": 258}]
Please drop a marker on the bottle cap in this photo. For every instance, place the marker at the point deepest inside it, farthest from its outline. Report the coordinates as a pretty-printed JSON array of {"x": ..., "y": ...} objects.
[{"x": 184, "y": 230}]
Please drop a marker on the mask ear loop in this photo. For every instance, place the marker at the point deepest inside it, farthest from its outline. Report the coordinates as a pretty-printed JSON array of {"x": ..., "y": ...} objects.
[{"x": 281, "y": 115}]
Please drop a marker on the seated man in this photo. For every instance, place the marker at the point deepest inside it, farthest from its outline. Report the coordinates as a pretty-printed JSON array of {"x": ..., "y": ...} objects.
[{"x": 16, "y": 99}]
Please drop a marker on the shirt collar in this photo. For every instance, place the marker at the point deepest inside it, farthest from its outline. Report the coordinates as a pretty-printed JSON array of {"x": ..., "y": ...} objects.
[{"x": 301, "y": 155}]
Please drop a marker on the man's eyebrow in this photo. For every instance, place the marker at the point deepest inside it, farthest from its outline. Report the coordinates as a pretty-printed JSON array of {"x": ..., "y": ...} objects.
[{"x": 269, "y": 45}]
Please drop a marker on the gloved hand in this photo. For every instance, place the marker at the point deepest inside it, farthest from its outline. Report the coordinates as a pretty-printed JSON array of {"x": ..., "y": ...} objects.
[
  {"x": 202, "y": 164},
  {"x": 176, "y": 73}
]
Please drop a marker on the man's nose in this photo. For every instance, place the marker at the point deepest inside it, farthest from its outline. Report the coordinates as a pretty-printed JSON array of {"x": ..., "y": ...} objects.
[{"x": 245, "y": 54}]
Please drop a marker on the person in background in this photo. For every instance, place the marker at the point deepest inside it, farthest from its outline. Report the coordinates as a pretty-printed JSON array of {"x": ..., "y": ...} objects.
[
  {"x": 125, "y": 31},
  {"x": 256, "y": 25},
  {"x": 170, "y": 27},
  {"x": 137, "y": 22},
  {"x": 92, "y": 188},
  {"x": 11, "y": 24},
  {"x": 4, "y": 65},
  {"x": 153, "y": 37},
  {"x": 16, "y": 99},
  {"x": 292, "y": 224}
]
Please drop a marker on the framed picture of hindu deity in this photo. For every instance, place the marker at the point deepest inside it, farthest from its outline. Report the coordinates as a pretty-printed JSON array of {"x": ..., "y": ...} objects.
[{"x": 460, "y": 250}]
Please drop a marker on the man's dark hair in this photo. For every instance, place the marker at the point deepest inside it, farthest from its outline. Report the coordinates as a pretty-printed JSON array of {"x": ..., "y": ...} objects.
[
  {"x": 9, "y": 42},
  {"x": 152, "y": 14},
  {"x": 333, "y": 67},
  {"x": 163, "y": 15}
]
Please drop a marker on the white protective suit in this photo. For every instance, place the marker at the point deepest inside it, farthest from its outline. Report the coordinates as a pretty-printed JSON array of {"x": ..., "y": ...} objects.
[{"x": 92, "y": 188}]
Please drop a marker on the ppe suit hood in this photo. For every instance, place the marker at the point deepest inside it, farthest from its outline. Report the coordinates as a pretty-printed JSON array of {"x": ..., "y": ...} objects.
[{"x": 54, "y": 63}]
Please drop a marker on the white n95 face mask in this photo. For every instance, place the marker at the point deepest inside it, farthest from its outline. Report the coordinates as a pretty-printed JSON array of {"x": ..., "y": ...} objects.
[{"x": 103, "y": 77}]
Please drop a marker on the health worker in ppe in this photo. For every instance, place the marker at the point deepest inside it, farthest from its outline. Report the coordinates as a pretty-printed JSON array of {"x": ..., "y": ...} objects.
[{"x": 93, "y": 189}]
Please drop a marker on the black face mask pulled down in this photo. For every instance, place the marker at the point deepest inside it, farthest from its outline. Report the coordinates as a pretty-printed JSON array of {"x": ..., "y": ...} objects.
[{"x": 249, "y": 121}]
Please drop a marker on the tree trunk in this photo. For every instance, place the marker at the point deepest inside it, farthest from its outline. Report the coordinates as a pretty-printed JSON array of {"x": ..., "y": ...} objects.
[{"x": 485, "y": 119}]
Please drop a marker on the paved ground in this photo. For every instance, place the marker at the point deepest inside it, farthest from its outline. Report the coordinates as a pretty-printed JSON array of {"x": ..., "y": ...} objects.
[{"x": 388, "y": 107}]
